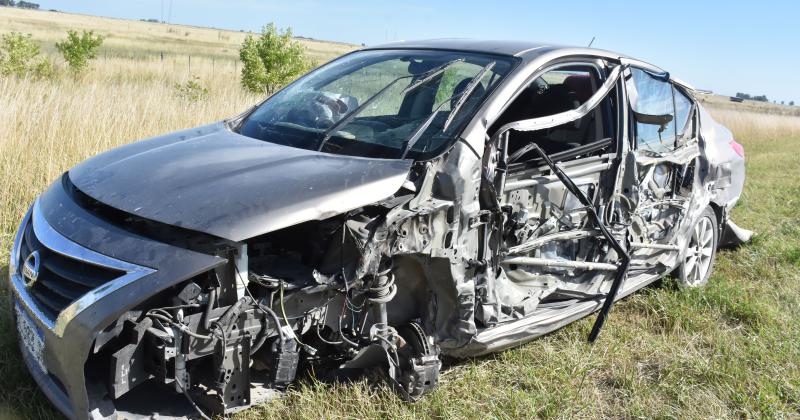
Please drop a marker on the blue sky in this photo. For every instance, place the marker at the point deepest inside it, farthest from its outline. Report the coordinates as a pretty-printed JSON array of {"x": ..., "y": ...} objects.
[{"x": 730, "y": 46}]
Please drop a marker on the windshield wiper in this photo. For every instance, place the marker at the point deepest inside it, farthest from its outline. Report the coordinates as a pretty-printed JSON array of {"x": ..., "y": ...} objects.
[
  {"x": 468, "y": 91},
  {"x": 409, "y": 143},
  {"x": 412, "y": 139},
  {"x": 430, "y": 75}
]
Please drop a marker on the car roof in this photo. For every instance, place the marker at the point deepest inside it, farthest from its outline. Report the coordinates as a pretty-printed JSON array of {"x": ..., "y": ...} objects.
[
  {"x": 526, "y": 50},
  {"x": 512, "y": 48}
]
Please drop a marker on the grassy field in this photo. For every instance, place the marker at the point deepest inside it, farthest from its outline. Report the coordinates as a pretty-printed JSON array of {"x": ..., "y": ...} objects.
[
  {"x": 731, "y": 349},
  {"x": 724, "y": 102},
  {"x": 146, "y": 41}
]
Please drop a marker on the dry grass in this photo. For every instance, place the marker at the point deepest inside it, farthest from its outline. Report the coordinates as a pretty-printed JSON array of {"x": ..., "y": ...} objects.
[
  {"x": 145, "y": 40},
  {"x": 751, "y": 124},
  {"x": 729, "y": 350},
  {"x": 723, "y": 102},
  {"x": 128, "y": 94},
  {"x": 47, "y": 127}
]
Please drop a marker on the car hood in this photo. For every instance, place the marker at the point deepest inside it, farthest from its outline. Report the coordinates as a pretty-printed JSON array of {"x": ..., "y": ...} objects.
[{"x": 212, "y": 180}]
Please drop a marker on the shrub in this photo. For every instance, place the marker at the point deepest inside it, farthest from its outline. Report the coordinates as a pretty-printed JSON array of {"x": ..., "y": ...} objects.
[
  {"x": 45, "y": 69},
  {"x": 192, "y": 90},
  {"x": 79, "y": 49},
  {"x": 272, "y": 60},
  {"x": 18, "y": 54}
]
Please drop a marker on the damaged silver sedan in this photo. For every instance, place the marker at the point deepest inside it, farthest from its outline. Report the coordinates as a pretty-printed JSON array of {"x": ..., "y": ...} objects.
[{"x": 397, "y": 205}]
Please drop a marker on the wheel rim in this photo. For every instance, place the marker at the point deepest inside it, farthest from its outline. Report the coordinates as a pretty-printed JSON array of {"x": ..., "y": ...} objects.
[{"x": 700, "y": 251}]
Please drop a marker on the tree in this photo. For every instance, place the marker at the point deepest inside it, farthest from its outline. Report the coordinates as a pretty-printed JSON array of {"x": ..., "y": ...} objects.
[
  {"x": 9, "y": 3},
  {"x": 27, "y": 5},
  {"x": 17, "y": 54},
  {"x": 79, "y": 49},
  {"x": 759, "y": 98},
  {"x": 791, "y": 103},
  {"x": 272, "y": 60}
]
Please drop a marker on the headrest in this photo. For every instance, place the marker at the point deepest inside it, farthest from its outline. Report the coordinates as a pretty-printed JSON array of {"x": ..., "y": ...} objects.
[
  {"x": 581, "y": 84},
  {"x": 554, "y": 100}
]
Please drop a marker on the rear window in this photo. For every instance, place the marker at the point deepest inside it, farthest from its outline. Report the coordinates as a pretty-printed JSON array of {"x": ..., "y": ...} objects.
[{"x": 652, "y": 96}]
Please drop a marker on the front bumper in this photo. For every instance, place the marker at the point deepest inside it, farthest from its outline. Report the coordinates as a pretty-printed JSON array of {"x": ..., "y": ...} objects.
[
  {"x": 67, "y": 340},
  {"x": 20, "y": 305}
]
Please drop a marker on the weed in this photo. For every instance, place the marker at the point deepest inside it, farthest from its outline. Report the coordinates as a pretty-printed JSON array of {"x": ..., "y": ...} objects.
[{"x": 192, "y": 90}]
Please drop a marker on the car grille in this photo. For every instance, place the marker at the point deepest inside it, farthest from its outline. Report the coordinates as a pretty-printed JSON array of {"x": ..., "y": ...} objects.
[{"x": 62, "y": 280}]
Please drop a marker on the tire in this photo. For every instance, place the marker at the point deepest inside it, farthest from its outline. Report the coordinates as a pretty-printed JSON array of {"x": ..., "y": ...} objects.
[{"x": 700, "y": 252}]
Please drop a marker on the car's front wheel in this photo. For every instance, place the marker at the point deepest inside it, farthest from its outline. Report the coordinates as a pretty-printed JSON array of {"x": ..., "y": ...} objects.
[{"x": 700, "y": 252}]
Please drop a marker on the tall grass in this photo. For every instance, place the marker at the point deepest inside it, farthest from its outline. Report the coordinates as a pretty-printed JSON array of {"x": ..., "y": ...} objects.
[
  {"x": 47, "y": 127},
  {"x": 752, "y": 125},
  {"x": 129, "y": 93},
  {"x": 145, "y": 40}
]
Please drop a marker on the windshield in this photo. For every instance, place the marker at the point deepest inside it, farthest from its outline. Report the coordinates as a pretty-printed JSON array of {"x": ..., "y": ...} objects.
[{"x": 382, "y": 103}]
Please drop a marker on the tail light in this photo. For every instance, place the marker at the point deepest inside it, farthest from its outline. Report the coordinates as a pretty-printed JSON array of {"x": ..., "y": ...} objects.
[{"x": 737, "y": 148}]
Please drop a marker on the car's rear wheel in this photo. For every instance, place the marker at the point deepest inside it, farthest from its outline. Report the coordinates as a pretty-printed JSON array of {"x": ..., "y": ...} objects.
[{"x": 700, "y": 252}]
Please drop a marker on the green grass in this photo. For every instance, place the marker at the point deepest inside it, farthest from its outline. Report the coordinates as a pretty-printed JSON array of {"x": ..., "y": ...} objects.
[{"x": 730, "y": 349}]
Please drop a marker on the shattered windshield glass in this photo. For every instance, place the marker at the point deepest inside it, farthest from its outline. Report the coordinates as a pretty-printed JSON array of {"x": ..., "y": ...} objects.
[{"x": 382, "y": 103}]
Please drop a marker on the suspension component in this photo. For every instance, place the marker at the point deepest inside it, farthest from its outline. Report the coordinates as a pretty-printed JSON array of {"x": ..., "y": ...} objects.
[{"x": 383, "y": 289}]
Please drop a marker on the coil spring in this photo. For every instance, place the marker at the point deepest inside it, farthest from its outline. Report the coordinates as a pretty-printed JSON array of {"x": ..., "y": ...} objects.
[{"x": 382, "y": 289}]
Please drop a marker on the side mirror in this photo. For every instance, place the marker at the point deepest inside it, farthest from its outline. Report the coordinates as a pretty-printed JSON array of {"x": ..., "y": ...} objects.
[{"x": 660, "y": 120}]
